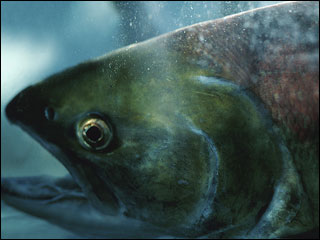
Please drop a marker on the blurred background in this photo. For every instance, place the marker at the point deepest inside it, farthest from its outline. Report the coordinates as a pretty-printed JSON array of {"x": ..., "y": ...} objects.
[{"x": 41, "y": 38}]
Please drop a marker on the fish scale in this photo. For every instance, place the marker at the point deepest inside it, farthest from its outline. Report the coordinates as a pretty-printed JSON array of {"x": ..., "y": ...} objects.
[
  {"x": 230, "y": 107},
  {"x": 288, "y": 87},
  {"x": 283, "y": 71}
]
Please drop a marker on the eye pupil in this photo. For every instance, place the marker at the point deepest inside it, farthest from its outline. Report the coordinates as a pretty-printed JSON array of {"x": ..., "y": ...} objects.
[{"x": 93, "y": 133}]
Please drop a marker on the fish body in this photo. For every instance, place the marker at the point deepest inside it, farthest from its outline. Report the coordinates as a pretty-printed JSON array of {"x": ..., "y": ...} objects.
[{"x": 211, "y": 130}]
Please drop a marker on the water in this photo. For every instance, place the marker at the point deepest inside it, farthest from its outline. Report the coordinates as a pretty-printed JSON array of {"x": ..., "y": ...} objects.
[
  {"x": 18, "y": 225},
  {"x": 41, "y": 38}
]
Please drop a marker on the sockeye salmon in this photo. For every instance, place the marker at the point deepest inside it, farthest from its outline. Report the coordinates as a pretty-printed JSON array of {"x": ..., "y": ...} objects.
[{"x": 208, "y": 131}]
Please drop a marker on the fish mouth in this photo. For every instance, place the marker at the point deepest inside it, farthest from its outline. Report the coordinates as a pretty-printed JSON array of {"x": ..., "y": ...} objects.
[
  {"x": 81, "y": 185},
  {"x": 85, "y": 179},
  {"x": 84, "y": 184},
  {"x": 55, "y": 199},
  {"x": 40, "y": 188},
  {"x": 41, "y": 196}
]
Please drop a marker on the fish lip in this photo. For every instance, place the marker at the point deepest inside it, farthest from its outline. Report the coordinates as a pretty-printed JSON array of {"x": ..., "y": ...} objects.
[
  {"x": 42, "y": 188},
  {"x": 8, "y": 190}
]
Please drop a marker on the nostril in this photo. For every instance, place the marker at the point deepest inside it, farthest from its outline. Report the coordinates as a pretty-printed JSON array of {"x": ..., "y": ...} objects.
[{"x": 49, "y": 113}]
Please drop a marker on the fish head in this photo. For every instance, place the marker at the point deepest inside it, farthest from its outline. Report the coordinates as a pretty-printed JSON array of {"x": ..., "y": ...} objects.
[
  {"x": 122, "y": 136},
  {"x": 133, "y": 130}
]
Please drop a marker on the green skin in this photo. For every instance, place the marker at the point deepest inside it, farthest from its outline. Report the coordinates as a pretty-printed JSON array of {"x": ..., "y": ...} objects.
[{"x": 191, "y": 154}]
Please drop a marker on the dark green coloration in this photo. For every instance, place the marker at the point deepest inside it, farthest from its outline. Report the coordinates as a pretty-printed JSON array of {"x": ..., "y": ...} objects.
[
  {"x": 155, "y": 124},
  {"x": 190, "y": 153}
]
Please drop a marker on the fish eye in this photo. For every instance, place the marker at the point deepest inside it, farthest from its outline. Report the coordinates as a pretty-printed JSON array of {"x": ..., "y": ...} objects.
[{"x": 94, "y": 133}]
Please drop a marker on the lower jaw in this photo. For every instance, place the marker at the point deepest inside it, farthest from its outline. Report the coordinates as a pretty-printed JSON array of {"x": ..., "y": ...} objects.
[{"x": 41, "y": 196}]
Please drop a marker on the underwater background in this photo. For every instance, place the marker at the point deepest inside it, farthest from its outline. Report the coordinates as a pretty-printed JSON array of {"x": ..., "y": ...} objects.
[{"x": 42, "y": 38}]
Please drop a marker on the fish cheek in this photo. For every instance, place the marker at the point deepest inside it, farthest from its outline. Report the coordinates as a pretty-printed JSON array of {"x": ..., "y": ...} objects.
[{"x": 166, "y": 175}]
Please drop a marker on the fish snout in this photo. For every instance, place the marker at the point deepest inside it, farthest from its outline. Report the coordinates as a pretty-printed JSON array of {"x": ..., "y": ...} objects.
[
  {"x": 25, "y": 108},
  {"x": 17, "y": 108}
]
